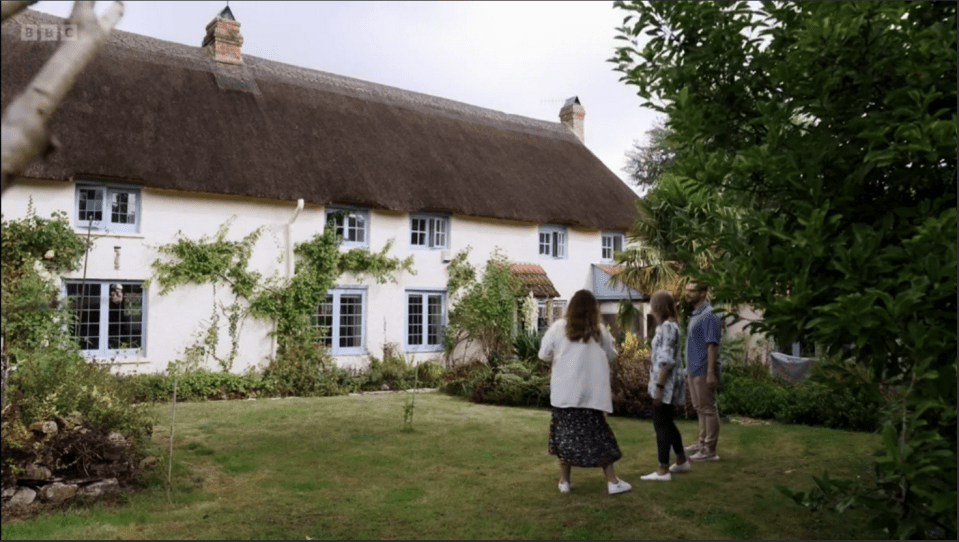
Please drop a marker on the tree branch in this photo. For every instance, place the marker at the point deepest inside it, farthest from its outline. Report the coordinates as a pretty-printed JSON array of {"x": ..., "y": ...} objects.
[
  {"x": 9, "y": 9},
  {"x": 24, "y": 131}
]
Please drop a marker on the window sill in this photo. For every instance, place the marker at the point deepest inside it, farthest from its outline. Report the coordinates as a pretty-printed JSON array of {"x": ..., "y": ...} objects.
[
  {"x": 423, "y": 350},
  {"x": 115, "y": 235}
]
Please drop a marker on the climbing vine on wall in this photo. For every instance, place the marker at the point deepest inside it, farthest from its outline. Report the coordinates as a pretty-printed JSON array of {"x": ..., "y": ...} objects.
[{"x": 287, "y": 302}]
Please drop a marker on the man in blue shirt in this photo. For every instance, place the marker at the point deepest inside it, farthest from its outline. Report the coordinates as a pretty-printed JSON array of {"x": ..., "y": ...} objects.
[{"x": 702, "y": 370}]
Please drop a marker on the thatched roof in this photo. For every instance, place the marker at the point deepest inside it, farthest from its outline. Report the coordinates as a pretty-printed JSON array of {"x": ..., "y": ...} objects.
[
  {"x": 166, "y": 115},
  {"x": 533, "y": 278}
]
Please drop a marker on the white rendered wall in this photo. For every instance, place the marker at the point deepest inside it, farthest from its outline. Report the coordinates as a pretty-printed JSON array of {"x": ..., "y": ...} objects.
[{"x": 176, "y": 320}]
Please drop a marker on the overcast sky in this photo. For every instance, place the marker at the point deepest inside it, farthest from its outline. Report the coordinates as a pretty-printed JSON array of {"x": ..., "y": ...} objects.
[{"x": 521, "y": 58}]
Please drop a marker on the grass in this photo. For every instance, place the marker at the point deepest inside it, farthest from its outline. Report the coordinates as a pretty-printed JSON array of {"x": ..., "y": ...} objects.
[{"x": 343, "y": 467}]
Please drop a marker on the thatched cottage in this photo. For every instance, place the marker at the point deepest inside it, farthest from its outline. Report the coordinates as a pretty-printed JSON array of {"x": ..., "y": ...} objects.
[{"x": 158, "y": 138}]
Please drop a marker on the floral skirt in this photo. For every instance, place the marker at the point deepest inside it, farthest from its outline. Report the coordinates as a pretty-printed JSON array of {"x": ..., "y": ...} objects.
[{"x": 581, "y": 437}]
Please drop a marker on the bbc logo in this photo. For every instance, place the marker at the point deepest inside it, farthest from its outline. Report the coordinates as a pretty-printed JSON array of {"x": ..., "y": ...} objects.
[{"x": 48, "y": 32}]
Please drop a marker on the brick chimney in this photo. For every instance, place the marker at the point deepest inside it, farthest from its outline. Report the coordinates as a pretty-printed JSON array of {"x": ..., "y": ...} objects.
[
  {"x": 572, "y": 115},
  {"x": 223, "y": 39}
]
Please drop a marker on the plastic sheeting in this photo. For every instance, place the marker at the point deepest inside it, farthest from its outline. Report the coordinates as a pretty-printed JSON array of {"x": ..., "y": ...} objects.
[{"x": 789, "y": 368}]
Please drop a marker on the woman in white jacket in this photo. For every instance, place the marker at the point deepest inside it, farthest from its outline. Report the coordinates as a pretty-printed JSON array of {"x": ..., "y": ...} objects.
[{"x": 581, "y": 350}]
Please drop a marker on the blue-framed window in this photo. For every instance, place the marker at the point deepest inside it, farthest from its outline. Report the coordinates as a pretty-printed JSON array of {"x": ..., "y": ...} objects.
[
  {"x": 425, "y": 320},
  {"x": 352, "y": 225},
  {"x": 429, "y": 231},
  {"x": 106, "y": 207},
  {"x": 341, "y": 321},
  {"x": 110, "y": 316},
  {"x": 612, "y": 243},
  {"x": 552, "y": 241}
]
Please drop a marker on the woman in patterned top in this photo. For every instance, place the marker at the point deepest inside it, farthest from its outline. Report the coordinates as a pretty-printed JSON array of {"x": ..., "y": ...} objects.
[
  {"x": 580, "y": 350},
  {"x": 667, "y": 386}
]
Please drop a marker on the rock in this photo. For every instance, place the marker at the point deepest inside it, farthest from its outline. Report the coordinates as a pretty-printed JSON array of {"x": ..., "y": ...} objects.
[
  {"x": 36, "y": 472},
  {"x": 9, "y": 492},
  {"x": 57, "y": 492},
  {"x": 384, "y": 387},
  {"x": 117, "y": 439},
  {"x": 148, "y": 463},
  {"x": 44, "y": 428},
  {"x": 97, "y": 489},
  {"x": 73, "y": 420},
  {"x": 23, "y": 497}
]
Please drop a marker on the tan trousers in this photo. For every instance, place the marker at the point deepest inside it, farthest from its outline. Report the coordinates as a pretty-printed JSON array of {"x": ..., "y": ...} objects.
[{"x": 704, "y": 401}]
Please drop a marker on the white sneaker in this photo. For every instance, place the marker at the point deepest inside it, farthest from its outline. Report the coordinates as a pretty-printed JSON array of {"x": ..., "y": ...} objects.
[
  {"x": 621, "y": 486},
  {"x": 692, "y": 448},
  {"x": 564, "y": 487},
  {"x": 702, "y": 455},
  {"x": 657, "y": 476},
  {"x": 675, "y": 467}
]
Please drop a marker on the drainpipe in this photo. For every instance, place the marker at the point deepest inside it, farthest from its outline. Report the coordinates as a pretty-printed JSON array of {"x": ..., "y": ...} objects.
[
  {"x": 289, "y": 238},
  {"x": 289, "y": 255}
]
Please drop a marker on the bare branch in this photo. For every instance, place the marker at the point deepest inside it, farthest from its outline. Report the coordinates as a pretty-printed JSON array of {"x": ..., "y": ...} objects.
[
  {"x": 24, "y": 131},
  {"x": 9, "y": 9}
]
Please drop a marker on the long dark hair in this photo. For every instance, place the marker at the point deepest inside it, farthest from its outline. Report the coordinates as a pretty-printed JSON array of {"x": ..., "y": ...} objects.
[{"x": 582, "y": 317}]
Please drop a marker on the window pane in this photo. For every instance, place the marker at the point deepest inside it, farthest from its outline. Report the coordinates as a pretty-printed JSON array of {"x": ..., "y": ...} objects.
[
  {"x": 440, "y": 232},
  {"x": 542, "y": 319},
  {"x": 322, "y": 320},
  {"x": 86, "y": 305},
  {"x": 560, "y": 245},
  {"x": 414, "y": 329},
  {"x": 125, "y": 316},
  {"x": 359, "y": 227},
  {"x": 544, "y": 244},
  {"x": 351, "y": 321},
  {"x": 418, "y": 232},
  {"x": 618, "y": 243},
  {"x": 123, "y": 207},
  {"x": 90, "y": 204},
  {"x": 435, "y": 319}
]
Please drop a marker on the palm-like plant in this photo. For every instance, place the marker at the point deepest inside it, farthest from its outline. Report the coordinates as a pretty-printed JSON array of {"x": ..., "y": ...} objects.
[{"x": 675, "y": 228}]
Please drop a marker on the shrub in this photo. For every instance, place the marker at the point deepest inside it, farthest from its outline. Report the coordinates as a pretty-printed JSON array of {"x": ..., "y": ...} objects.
[
  {"x": 461, "y": 380},
  {"x": 305, "y": 371},
  {"x": 59, "y": 382},
  {"x": 749, "y": 391},
  {"x": 526, "y": 345},
  {"x": 630, "y": 378}
]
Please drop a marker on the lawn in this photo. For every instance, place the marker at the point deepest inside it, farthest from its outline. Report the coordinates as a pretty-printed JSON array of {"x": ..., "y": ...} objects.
[{"x": 343, "y": 467}]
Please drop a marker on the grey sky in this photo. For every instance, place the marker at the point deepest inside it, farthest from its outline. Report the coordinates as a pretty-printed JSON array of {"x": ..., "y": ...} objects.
[{"x": 521, "y": 58}]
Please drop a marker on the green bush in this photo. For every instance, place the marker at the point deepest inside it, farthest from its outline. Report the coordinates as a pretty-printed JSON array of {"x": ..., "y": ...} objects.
[
  {"x": 305, "y": 372},
  {"x": 59, "y": 382},
  {"x": 512, "y": 383},
  {"x": 749, "y": 391}
]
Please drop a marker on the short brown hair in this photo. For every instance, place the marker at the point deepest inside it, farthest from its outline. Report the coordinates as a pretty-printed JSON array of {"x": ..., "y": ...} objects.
[
  {"x": 663, "y": 305},
  {"x": 582, "y": 317}
]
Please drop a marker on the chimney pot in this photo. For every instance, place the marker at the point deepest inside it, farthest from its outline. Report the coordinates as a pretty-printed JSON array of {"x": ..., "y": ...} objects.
[
  {"x": 572, "y": 115},
  {"x": 223, "y": 39}
]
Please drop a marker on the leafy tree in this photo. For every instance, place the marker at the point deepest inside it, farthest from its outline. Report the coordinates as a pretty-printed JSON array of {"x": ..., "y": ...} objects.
[
  {"x": 483, "y": 307},
  {"x": 831, "y": 128},
  {"x": 647, "y": 163}
]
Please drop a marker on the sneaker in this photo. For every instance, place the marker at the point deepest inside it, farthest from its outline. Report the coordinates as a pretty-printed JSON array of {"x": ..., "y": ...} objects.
[
  {"x": 657, "y": 476},
  {"x": 703, "y": 456},
  {"x": 675, "y": 467},
  {"x": 620, "y": 486},
  {"x": 692, "y": 448},
  {"x": 564, "y": 487}
]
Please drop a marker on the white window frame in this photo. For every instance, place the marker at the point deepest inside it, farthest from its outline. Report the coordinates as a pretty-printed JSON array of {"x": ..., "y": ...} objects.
[
  {"x": 354, "y": 214},
  {"x": 553, "y": 240},
  {"x": 338, "y": 292},
  {"x": 107, "y": 193},
  {"x": 424, "y": 294},
  {"x": 103, "y": 350},
  {"x": 436, "y": 235},
  {"x": 609, "y": 244}
]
